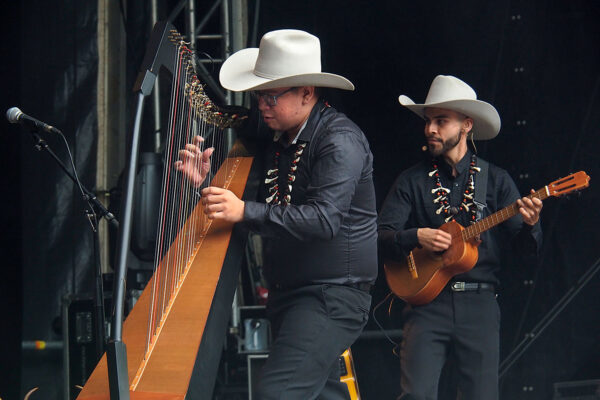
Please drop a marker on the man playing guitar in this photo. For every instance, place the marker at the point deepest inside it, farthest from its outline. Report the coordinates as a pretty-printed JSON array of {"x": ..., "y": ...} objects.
[{"x": 453, "y": 184}]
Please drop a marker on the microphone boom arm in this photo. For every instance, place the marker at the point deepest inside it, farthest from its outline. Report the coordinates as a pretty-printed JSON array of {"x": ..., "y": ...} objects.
[{"x": 88, "y": 196}]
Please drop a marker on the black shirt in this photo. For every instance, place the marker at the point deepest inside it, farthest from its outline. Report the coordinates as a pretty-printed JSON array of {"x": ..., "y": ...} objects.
[
  {"x": 328, "y": 234},
  {"x": 409, "y": 206}
]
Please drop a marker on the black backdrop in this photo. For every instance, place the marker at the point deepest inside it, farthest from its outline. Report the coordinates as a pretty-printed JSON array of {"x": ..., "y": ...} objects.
[
  {"x": 537, "y": 61},
  {"x": 10, "y": 206}
]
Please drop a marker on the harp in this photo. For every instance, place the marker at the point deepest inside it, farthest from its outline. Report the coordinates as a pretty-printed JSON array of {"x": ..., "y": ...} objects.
[{"x": 171, "y": 332}]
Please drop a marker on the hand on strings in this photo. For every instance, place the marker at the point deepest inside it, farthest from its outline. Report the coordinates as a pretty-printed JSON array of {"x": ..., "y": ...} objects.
[
  {"x": 530, "y": 209},
  {"x": 194, "y": 163},
  {"x": 434, "y": 240},
  {"x": 222, "y": 204}
]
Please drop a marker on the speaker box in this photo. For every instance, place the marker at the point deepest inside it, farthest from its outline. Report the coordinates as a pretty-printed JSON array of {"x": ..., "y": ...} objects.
[
  {"x": 80, "y": 354},
  {"x": 79, "y": 349}
]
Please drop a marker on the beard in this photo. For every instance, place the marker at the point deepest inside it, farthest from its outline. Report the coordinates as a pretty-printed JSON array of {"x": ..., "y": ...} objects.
[{"x": 447, "y": 145}]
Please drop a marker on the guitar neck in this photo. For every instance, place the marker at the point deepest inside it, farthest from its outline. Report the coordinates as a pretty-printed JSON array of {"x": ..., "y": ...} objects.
[{"x": 499, "y": 216}]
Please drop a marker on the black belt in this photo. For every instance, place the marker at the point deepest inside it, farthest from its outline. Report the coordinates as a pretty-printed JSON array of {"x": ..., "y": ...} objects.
[
  {"x": 364, "y": 286},
  {"x": 471, "y": 287}
]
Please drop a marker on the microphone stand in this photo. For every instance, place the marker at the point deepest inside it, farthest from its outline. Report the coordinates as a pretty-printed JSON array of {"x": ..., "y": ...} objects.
[{"x": 94, "y": 203}]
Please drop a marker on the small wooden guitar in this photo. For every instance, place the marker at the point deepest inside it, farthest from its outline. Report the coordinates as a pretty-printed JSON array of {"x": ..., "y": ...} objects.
[
  {"x": 423, "y": 275},
  {"x": 348, "y": 376}
]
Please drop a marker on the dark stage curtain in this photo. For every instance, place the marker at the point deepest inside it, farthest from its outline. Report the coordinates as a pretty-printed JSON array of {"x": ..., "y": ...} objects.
[{"x": 58, "y": 86}]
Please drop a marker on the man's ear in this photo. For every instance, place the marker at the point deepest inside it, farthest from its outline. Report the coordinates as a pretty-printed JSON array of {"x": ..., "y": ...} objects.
[
  {"x": 467, "y": 125},
  {"x": 308, "y": 93}
]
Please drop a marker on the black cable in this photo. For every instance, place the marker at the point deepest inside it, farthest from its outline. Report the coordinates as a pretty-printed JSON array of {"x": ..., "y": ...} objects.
[
  {"x": 396, "y": 345},
  {"x": 92, "y": 214}
]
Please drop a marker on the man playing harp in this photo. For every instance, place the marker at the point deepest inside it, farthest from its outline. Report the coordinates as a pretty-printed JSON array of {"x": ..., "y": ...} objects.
[{"x": 316, "y": 214}]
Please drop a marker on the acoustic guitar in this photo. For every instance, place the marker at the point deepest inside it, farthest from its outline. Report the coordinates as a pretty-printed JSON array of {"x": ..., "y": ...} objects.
[{"x": 422, "y": 276}]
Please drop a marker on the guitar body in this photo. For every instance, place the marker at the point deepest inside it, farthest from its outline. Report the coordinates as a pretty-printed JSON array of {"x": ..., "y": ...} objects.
[{"x": 433, "y": 270}]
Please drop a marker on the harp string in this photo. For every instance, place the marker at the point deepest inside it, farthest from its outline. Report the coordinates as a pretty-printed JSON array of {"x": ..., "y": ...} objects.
[
  {"x": 182, "y": 224},
  {"x": 154, "y": 311}
]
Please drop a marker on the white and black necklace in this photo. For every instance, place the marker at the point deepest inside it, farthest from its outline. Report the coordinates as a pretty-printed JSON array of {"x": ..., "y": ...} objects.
[
  {"x": 440, "y": 193},
  {"x": 275, "y": 195}
]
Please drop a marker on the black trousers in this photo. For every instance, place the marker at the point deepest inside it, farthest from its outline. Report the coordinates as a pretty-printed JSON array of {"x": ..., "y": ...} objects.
[
  {"x": 463, "y": 324},
  {"x": 312, "y": 326}
]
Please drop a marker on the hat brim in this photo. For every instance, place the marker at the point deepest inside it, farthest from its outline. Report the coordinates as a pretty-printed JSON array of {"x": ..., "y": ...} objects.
[
  {"x": 486, "y": 121},
  {"x": 237, "y": 74}
]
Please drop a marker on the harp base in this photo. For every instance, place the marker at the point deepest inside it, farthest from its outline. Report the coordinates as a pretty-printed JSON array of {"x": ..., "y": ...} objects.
[{"x": 117, "y": 370}]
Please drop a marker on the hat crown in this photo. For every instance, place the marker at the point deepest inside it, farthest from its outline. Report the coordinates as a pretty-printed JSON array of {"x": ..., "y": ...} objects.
[
  {"x": 288, "y": 52},
  {"x": 449, "y": 92},
  {"x": 449, "y": 88},
  {"x": 285, "y": 58}
]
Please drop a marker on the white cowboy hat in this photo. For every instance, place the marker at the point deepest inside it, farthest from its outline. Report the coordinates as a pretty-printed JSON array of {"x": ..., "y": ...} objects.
[
  {"x": 453, "y": 94},
  {"x": 286, "y": 57}
]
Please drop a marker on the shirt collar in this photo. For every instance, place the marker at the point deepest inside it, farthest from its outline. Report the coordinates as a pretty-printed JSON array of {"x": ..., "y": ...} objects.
[
  {"x": 277, "y": 135},
  {"x": 461, "y": 167},
  {"x": 307, "y": 129}
]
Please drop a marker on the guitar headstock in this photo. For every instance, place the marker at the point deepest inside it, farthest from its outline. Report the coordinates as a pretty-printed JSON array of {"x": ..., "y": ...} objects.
[{"x": 577, "y": 181}]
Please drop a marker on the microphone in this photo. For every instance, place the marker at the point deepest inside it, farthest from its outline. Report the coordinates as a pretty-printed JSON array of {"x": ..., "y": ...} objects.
[{"x": 16, "y": 116}]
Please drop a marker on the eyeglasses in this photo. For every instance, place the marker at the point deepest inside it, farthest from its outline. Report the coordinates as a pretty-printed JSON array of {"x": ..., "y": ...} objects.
[{"x": 270, "y": 100}]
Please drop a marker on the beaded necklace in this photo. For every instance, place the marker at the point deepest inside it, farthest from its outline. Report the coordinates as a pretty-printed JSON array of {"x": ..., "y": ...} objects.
[
  {"x": 440, "y": 193},
  {"x": 275, "y": 195}
]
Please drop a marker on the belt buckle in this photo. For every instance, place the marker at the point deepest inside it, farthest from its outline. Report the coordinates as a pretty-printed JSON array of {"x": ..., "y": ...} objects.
[{"x": 458, "y": 286}]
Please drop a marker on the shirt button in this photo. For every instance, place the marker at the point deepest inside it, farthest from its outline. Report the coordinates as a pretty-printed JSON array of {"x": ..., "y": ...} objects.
[{"x": 456, "y": 185}]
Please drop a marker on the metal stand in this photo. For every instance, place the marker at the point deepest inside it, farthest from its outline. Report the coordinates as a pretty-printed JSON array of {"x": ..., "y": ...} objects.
[
  {"x": 548, "y": 318},
  {"x": 98, "y": 209},
  {"x": 88, "y": 196}
]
